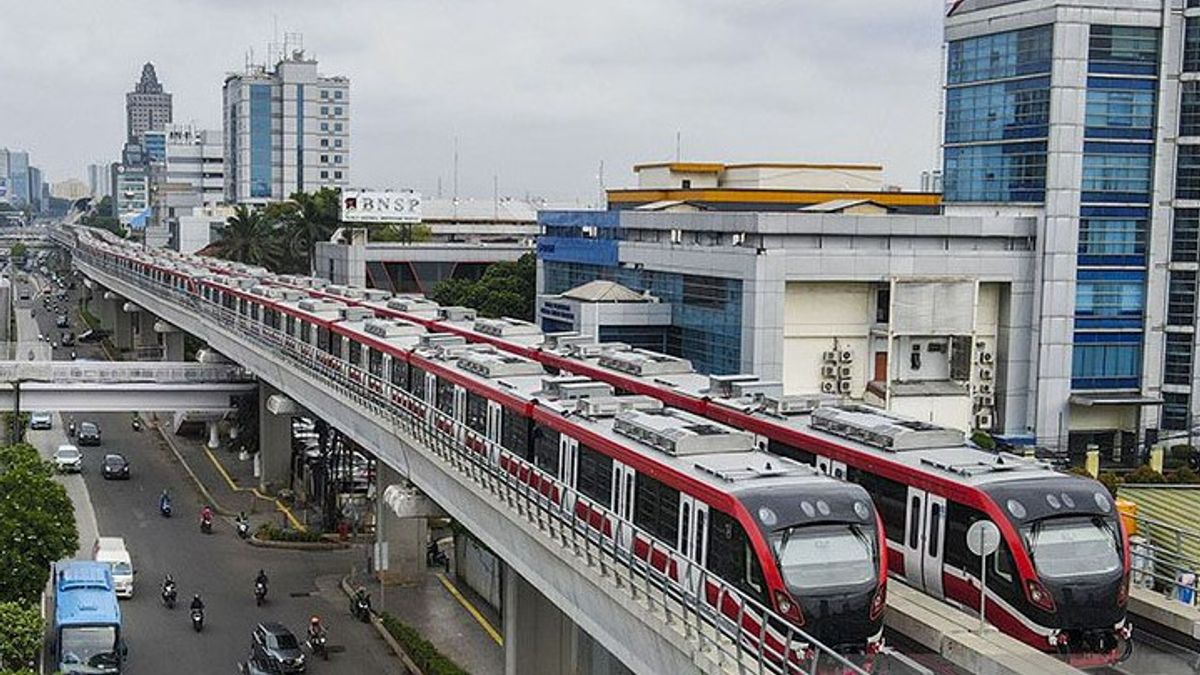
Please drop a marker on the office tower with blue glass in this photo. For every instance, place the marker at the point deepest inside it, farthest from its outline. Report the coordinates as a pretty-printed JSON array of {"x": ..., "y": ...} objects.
[
  {"x": 286, "y": 130},
  {"x": 1084, "y": 114}
]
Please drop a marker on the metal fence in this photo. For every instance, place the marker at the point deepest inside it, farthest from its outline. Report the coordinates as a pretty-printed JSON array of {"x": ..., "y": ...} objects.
[
  {"x": 739, "y": 633},
  {"x": 1164, "y": 560}
]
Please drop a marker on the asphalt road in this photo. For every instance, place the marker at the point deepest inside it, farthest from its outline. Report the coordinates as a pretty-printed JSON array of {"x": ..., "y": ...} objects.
[{"x": 220, "y": 566}]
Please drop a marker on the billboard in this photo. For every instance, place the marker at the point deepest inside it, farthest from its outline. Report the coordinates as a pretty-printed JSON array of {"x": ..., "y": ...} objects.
[{"x": 381, "y": 206}]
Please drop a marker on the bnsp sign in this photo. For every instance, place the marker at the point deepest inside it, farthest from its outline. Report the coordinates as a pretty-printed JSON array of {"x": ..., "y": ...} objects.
[{"x": 369, "y": 206}]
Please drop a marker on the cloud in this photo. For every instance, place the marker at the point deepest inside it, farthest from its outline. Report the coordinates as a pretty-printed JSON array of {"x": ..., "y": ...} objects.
[{"x": 537, "y": 92}]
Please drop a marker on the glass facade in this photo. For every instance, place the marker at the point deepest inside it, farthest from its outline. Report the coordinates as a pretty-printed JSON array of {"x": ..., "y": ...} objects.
[
  {"x": 1114, "y": 218},
  {"x": 1185, "y": 236},
  {"x": 1187, "y": 172},
  {"x": 997, "y": 117},
  {"x": 1177, "y": 362},
  {"x": 706, "y": 312},
  {"x": 260, "y": 140},
  {"x": 1191, "y": 45},
  {"x": 1189, "y": 109}
]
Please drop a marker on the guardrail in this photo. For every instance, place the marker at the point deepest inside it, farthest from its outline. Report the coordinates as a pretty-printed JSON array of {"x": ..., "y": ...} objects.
[
  {"x": 123, "y": 372},
  {"x": 738, "y": 631},
  {"x": 1161, "y": 561}
]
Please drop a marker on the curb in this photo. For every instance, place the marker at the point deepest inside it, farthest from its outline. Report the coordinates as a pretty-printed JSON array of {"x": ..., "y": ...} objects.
[
  {"x": 195, "y": 479},
  {"x": 383, "y": 633},
  {"x": 254, "y": 540}
]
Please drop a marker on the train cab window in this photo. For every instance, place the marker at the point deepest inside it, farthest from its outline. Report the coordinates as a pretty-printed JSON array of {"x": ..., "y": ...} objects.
[
  {"x": 416, "y": 383},
  {"x": 445, "y": 396},
  {"x": 375, "y": 362},
  {"x": 476, "y": 412},
  {"x": 355, "y": 353},
  {"x": 399, "y": 372},
  {"x": 545, "y": 450},
  {"x": 777, "y": 448},
  {"x": 594, "y": 475},
  {"x": 326, "y": 341},
  {"x": 1002, "y": 565},
  {"x": 914, "y": 522},
  {"x": 656, "y": 508},
  {"x": 731, "y": 557}
]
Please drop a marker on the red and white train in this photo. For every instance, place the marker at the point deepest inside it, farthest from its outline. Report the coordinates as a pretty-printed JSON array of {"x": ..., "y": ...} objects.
[{"x": 712, "y": 509}]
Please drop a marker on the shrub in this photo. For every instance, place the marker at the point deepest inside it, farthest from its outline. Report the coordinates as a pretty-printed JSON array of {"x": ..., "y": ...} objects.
[
  {"x": 1110, "y": 481},
  {"x": 983, "y": 439},
  {"x": 272, "y": 532},
  {"x": 1144, "y": 475},
  {"x": 421, "y": 651},
  {"x": 1183, "y": 476}
]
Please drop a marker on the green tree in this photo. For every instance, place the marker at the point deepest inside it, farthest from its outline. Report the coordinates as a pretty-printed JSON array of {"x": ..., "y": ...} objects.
[
  {"x": 308, "y": 219},
  {"x": 249, "y": 237},
  {"x": 104, "y": 217},
  {"x": 18, "y": 250},
  {"x": 21, "y": 639},
  {"x": 408, "y": 233},
  {"x": 505, "y": 289},
  {"x": 37, "y": 523}
]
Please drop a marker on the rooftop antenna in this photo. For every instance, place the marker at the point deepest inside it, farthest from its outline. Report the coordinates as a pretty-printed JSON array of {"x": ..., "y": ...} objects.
[
  {"x": 455, "y": 209},
  {"x": 495, "y": 197},
  {"x": 678, "y": 142},
  {"x": 600, "y": 180}
]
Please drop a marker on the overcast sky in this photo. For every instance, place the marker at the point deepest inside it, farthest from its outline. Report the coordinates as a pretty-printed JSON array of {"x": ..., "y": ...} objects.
[{"x": 538, "y": 92}]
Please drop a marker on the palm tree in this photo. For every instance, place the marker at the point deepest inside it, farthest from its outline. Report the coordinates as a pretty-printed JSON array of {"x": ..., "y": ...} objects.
[
  {"x": 313, "y": 218},
  {"x": 249, "y": 238}
]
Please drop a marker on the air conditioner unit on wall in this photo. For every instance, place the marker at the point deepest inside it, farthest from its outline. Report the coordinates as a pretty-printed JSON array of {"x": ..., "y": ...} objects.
[
  {"x": 829, "y": 387},
  {"x": 829, "y": 372},
  {"x": 986, "y": 358},
  {"x": 829, "y": 357},
  {"x": 985, "y": 401},
  {"x": 984, "y": 389},
  {"x": 846, "y": 356},
  {"x": 844, "y": 372},
  {"x": 985, "y": 373},
  {"x": 983, "y": 421},
  {"x": 844, "y": 387}
]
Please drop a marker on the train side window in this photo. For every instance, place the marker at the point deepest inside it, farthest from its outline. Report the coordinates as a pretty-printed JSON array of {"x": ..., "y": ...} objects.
[
  {"x": 399, "y": 372},
  {"x": 541, "y": 440},
  {"x": 416, "y": 383},
  {"x": 889, "y": 497},
  {"x": 914, "y": 522},
  {"x": 477, "y": 412},
  {"x": 935, "y": 524},
  {"x": 545, "y": 452},
  {"x": 254, "y": 311},
  {"x": 685, "y": 524},
  {"x": 594, "y": 475},
  {"x": 375, "y": 362},
  {"x": 355, "y": 353},
  {"x": 445, "y": 396},
  {"x": 656, "y": 508},
  {"x": 290, "y": 322},
  {"x": 335, "y": 342},
  {"x": 325, "y": 340},
  {"x": 785, "y": 450},
  {"x": 730, "y": 556},
  {"x": 701, "y": 528},
  {"x": 306, "y": 332},
  {"x": 958, "y": 520}
]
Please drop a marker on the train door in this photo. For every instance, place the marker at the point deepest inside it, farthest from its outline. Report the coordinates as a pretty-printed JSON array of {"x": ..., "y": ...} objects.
[
  {"x": 430, "y": 396},
  {"x": 460, "y": 412},
  {"x": 924, "y": 539},
  {"x": 693, "y": 539},
  {"x": 831, "y": 467},
  {"x": 568, "y": 448},
  {"x": 623, "y": 500}
]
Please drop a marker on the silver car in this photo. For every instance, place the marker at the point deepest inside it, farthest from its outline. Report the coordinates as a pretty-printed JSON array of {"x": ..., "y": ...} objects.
[
  {"x": 41, "y": 420},
  {"x": 68, "y": 459}
]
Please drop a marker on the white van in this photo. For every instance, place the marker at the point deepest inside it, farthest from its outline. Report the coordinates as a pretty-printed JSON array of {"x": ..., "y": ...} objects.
[{"x": 112, "y": 550}]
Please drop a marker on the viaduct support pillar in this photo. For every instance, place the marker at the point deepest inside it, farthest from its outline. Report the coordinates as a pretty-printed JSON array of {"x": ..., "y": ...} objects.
[
  {"x": 145, "y": 338},
  {"x": 540, "y": 638},
  {"x": 122, "y": 336},
  {"x": 401, "y": 528},
  {"x": 275, "y": 413},
  {"x": 172, "y": 340}
]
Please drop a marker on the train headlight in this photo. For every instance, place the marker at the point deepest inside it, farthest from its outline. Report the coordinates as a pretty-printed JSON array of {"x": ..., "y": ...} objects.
[
  {"x": 1039, "y": 596},
  {"x": 878, "y": 602},
  {"x": 785, "y": 606}
]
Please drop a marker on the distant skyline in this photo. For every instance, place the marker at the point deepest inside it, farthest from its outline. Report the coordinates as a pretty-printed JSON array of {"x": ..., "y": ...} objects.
[{"x": 537, "y": 92}]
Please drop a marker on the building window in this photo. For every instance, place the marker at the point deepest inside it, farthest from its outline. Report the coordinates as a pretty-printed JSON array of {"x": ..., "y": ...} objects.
[
  {"x": 324, "y": 126},
  {"x": 1181, "y": 298},
  {"x": 1189, "y": 109},
  {"x": 324, "y": 174},
  {"x": 1177, "y": 361},
  {"x": 1109, "y": 298},
  {"x": 883, "y": 304},
  {"x": 324, "y": 159},
  {"x": 1000, "y": 111},
  {"x": 337, "y": 126},
  {"x": 337, "y": 142},
  {"x": 260, "y": 141},
  {"x": 1185, "y": 236},
  {"x": 1117, "y": 172},
  {"x": 1120, "y": 108},
  {"x": 324, "y": 110},
  {"x": 1005, "y": 172},
  {"x": 324, "y": 93},
  {"x": 337, "y": 175},
  {"x": 1123, "y": 49},
  {"x": 337, "y": 93},
  {"x": 1176, "y": 411},
  {"x": 1111, "y": 236},
  {"x": 1191, "y": 45},
  {"x": 337, "y": 110},
  {"x": 337, "y": 159},
  {"x": 1187, "y": 172},
  {"x": 1106, "y": 361},
  {"x": 324, "y": 142},
  {"x": 1000, "y": 55}
]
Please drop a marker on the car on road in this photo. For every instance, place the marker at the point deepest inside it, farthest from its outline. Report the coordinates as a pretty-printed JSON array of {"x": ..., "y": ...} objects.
[
  {"x": 41, "y": 420},
  {"x": 89, "y": 433},
  {"x": 68, "y": 339},
  {"x": 62, "y": 321},
  {"x": 115, "y": 466},
  {"x": 112, "y": 551},
  {"x": 273, "y": 643},
  {"x": 68, "y": 459},
  {"x": 93, "y": 335}
]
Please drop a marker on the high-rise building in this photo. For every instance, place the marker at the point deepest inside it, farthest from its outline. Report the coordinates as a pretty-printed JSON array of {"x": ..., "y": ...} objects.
[
  {"x": 147, "y": 107},
  {"x": 287, "y": 129},
  {"x": 99, "y": 180},
  {"x": 1086, "y": 115},
  {"x": 190, "y": 175},
  {"x": 36, "y": 185},
  {"x": 16, "y": 174}
]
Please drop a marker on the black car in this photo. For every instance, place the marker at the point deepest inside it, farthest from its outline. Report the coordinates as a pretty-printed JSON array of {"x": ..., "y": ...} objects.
[
  {"x": 115, "y": 466},
  {"x": 62, "y": 321},
  {"x": 68, "y": 339},
  {"x": 273, "y": 643},
  {"x": 89, "y": 434}
]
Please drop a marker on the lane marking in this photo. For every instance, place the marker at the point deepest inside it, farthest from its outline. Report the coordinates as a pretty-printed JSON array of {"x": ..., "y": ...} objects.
[
  {"x": 236, "y": 488},
  {"x": 487, "y": 626}
]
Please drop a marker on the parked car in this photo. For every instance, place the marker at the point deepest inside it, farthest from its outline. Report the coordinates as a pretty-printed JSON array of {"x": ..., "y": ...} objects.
[
  {"x": 89, "y": 433},
  {"x": 112, "y": 550},
  {"x": 62, "y": 321},
  {"x": 68, "y": 339},
  {"x": 68, "y": 459},
  {"x": 115, "y": 466},
  {"x": 41, "y": 420},
  {"x": 273, "y": 643}
]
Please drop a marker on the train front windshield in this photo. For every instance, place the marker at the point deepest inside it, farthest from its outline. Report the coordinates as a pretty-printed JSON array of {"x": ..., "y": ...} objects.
[
  {"x": 88, "y": 649},
  {"x": 825, "y": 557},
  {"x": 1073, "y": 547}
]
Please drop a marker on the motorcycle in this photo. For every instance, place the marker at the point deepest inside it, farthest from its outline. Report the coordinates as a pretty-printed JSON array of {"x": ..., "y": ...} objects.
[
  {"x": 243, "y": 529},
  {"x": 206, "y": 524},
  {"x": 197, "y": 620},
  {"x": 136, "y": 424},
  {"x": 361, "y": 609},
  {"x": 435, "y": 557},
  {"x": 164, "y": 508},
  {"x": 260, "y": 593},
  {"x": 168, "y": 595},
  {"x": 316, "y": 643},
  {"x": 71, "y": 426}
]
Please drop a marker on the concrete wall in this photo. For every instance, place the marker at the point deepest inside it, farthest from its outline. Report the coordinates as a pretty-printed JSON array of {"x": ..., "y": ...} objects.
[{"x": 819, "y": 317}]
